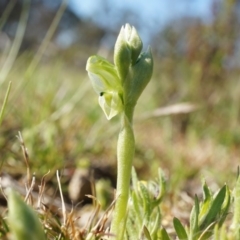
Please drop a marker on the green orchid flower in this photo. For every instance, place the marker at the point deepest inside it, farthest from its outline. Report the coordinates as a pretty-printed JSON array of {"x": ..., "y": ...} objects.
[
  {"x": 107, "y": 85},
  {"x": 119, "y": 86}
]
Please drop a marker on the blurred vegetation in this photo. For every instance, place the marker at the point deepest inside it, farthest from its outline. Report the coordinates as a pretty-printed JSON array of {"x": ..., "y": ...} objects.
[{"x": 54, "y": 107}]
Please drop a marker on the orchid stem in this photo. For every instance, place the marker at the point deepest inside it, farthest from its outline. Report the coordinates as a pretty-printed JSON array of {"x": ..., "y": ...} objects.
[{"x": 125, "y": 154}]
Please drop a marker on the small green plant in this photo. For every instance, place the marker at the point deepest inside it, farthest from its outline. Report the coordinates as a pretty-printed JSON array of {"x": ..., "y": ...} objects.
[
  {"x": 119, "y": 86},
  {"x": 205, "y": 215},
  {"x": 207, "y": 218},
  {"x": 144, "y": 207}
]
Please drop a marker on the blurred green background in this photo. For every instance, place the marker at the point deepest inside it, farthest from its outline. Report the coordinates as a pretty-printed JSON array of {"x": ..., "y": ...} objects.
[{"x": 186, "y": 121}]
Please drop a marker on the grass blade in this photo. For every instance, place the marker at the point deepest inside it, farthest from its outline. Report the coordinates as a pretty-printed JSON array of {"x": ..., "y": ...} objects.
[
  {"x": 147, "y": 233},
  {"x": 16, "y": 43},
  {"x": 225, "y": 206},
  {"x": 5, "y": 102},
  {"x": 147, "y": 202},
  {"x": 180, "y": 230},
  {"x": 6, "y": 13},
  {"x": 194, "y": 228},
  {"x": 47, "y": 37},
  {"x": 214, "y": 209},
  {"x": 164, "y": 234},
  {"x": 205, "y": 206}
]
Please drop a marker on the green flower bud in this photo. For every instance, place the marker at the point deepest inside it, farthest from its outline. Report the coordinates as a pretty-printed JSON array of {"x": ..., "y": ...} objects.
[
  {"x": 127, "y": 49},
  {"x": 136, "y": 45},
  {"x": 122, "y": 55},
  {"x": 106, "y": 83},
  {"x": 139, "y": 74},
  {"x": 23, "y": 222}
]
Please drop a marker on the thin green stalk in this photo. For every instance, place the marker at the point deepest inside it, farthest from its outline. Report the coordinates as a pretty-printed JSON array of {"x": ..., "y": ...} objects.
[
  {"x": 48, "y": 37},
  {"x": 16, "y": 43},
  {"x": 6, "y": 13},
  {"x": 5, "y": 102},
  {"x": 125, "y": 154}
]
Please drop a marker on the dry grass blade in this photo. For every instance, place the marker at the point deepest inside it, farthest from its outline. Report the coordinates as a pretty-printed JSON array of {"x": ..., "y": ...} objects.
[
  {"x": 28, "y": 196},
  {"x": 180, "y": 108},
  {"x": 102, "y": 221},
  {"x": 26, "y": 158},
  {"x": 41, "y": 190},
  {"x": 64, "y": 211},
  {"x": 99, "y": 228}
]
